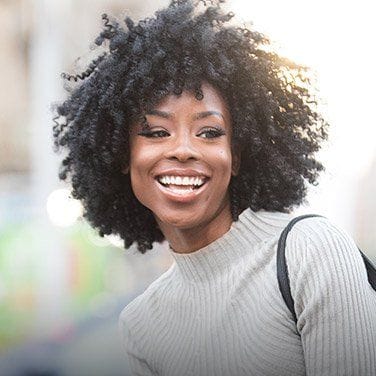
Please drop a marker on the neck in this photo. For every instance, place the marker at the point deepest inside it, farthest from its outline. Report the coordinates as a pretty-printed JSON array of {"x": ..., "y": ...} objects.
[{"x": 187, "y": 240}]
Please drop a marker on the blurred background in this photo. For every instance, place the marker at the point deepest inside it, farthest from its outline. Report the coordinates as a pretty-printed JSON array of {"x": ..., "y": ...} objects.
[{"x": 62, "y": 287}]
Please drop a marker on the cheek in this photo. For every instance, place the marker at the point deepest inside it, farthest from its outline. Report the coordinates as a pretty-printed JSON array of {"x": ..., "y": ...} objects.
[
  {"x": 138, "y": 167},
  {"x": 141, "y": 158},
  {"x": 221, "y": 161},
  {"x": 224, "y": 160},
  {"x": 142, "y": 189}
]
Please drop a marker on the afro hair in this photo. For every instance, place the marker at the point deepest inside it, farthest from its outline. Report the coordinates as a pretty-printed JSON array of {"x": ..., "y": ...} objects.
[{"x": 272, "y": 104}]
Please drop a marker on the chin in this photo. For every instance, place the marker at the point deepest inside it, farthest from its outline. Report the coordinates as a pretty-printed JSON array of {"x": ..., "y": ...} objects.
[{"x": 181, "y": 221}]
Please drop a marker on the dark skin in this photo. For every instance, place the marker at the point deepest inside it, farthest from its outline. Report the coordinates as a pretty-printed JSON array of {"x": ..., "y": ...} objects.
[{"x": 191, "y": 139}]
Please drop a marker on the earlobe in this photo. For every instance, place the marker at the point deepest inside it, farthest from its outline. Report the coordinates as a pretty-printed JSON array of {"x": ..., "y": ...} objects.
[{"x": 125, "y": 170}]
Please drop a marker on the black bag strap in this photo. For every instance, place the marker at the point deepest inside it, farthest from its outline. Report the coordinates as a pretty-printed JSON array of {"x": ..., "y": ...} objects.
[
  {"x": 371, "y": 270},
  {"x": 282, "y": 272}
]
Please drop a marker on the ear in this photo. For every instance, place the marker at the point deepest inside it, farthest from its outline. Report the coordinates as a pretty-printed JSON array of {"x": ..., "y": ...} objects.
[
  {"x": 125, "y": 170},
  {"x": 236, "y": 160}
]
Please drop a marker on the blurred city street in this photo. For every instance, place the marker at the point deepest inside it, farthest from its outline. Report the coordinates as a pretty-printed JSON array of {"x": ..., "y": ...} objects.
[
  {"x": 62, "y": 286},
  {"x": 92, "y": 347}
]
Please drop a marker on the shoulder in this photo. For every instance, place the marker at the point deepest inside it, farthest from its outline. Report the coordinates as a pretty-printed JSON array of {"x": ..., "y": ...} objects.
[
  {"x": 315, "y": 227},
  {"x": 321, "y": 253},
  {"x": 322, "y": 236},
  {"x": 138, "y": 308}
]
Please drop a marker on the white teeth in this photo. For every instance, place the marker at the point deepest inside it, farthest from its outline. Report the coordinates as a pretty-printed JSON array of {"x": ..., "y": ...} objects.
[{"x": 179, "y": 180}]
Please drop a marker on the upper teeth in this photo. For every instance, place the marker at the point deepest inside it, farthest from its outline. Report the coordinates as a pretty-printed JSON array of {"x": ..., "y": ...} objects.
[{"x": 181, "y": 180}]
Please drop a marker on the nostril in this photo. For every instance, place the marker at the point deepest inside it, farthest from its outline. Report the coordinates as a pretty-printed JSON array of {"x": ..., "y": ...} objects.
[
  {"x": 184, "y": 154},
  {"x": 182, "y": 158}
]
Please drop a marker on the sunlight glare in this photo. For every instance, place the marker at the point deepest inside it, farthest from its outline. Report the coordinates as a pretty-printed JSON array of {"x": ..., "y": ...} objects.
[{"x": 62, "y": 209}]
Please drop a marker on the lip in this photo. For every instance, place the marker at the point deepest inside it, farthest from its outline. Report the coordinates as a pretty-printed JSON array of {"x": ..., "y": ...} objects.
[
  {"x": 181, "y": 197},
  {"x": 182, "y": 172}
]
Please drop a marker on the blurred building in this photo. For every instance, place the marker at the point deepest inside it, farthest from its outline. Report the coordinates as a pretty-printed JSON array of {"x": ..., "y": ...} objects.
[
  {"x": 31, "y": 29},
  {"x": 14, "y": 50},
  {"x": 60, "y": 287},
  {"x": 365, "y": 212}
]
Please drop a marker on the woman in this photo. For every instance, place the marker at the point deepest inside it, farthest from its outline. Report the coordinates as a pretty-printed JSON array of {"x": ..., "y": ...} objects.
[{"x": 190, "y": 130}]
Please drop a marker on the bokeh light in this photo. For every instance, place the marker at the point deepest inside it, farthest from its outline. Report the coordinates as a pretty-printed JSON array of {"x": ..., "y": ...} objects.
[{"x": 62, "y": 209}]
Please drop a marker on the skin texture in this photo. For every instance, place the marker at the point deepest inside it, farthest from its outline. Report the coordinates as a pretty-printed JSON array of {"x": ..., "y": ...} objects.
[{"x": 181, "y": 134}]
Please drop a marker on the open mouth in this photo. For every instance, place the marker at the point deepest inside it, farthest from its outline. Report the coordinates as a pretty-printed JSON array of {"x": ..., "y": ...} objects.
[{"x": 182, "y": 184}]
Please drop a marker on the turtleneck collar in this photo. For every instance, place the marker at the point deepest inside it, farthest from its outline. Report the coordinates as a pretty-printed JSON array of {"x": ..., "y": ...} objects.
[{"x": 250, "y": 229}]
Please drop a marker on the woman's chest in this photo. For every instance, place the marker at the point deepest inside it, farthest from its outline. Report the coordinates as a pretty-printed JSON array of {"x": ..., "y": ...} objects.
[{"x": 239, "y": 329}]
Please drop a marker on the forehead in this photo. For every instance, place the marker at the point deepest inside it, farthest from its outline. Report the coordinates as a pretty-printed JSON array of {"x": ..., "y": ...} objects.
[{"x": 187, "y": 103}]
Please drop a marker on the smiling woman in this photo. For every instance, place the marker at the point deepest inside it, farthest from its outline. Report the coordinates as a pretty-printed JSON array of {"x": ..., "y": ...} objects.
[
  {"x": 188, "y": 129},
  {"x": 181, "y": 162}
]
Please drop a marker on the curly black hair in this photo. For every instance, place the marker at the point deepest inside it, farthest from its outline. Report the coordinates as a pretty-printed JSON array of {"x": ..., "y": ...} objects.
[{"x": 272, "y": 103}]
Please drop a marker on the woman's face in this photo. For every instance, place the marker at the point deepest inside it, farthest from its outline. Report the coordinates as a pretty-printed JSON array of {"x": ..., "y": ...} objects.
[{"x": 181, "y": 163}]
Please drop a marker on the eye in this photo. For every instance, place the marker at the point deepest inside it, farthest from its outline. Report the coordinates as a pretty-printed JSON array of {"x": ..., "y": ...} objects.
[
  {"x": 154, "y": 134},
  {"x": 212, "y": 133}
]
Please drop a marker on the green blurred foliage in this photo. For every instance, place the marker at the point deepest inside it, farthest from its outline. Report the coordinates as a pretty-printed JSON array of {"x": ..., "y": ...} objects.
[{"x": 21, "y": 267}]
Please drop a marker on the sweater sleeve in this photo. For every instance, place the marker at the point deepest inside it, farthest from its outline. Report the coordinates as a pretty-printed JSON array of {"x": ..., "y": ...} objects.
[
  {"x": 136, "y": 361},
  {"x": 334, "y": 303}
]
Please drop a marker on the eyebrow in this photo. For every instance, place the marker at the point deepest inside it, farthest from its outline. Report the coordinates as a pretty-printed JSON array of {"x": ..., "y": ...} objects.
[
  {"x": 163, "y": 114},
  {"x": 198, "y": 116},
  {"x": 202, "y": 115}
]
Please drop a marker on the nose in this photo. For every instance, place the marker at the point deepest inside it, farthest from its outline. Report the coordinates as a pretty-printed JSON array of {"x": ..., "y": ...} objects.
[{"x": 183, "y": 148}]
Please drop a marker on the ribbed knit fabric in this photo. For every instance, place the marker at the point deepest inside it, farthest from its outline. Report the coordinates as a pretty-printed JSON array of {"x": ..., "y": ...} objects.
[{"x": 218, "y": 311}]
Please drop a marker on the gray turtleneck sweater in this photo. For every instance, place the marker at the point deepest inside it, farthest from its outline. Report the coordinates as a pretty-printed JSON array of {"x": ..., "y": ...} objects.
[{"x": 218, "y": 311}]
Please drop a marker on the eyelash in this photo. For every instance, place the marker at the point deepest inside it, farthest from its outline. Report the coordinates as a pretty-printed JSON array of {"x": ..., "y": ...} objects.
[
  {"x": 213, "y": 132},
  {"x": 153, "y": 134}
]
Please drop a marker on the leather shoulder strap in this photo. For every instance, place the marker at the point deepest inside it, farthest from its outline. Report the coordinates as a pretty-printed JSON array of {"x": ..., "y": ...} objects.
[
  {"x": 282, "y": 272},
  {"x": 371, "y": 270}
]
